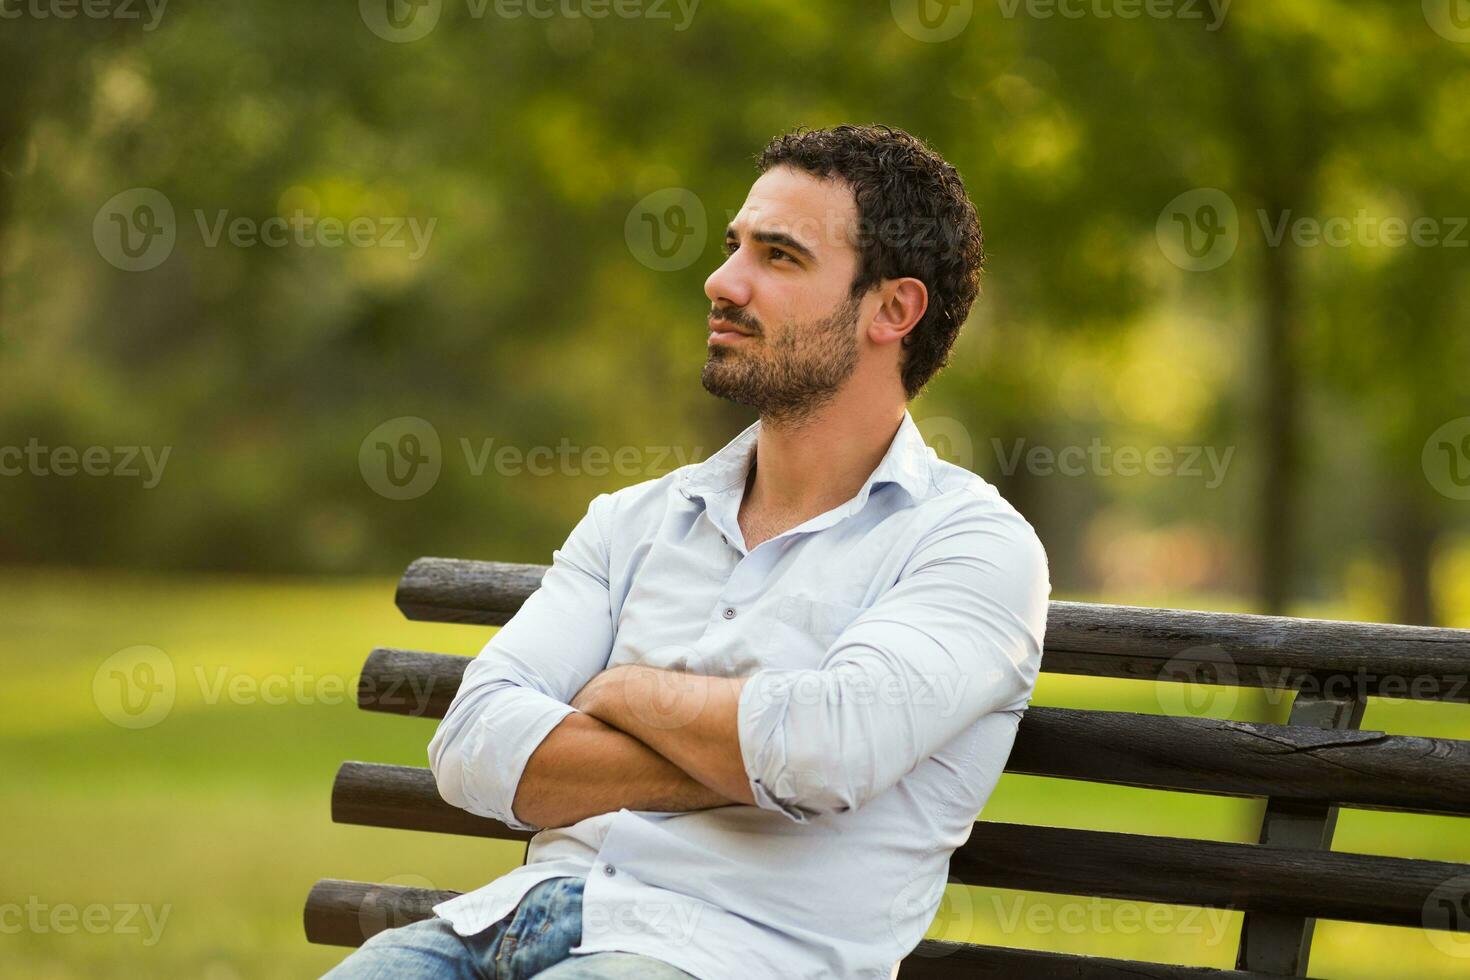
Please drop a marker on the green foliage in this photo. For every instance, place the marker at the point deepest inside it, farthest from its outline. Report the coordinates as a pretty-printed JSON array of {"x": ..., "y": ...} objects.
[{"x": 528, "y": 320}]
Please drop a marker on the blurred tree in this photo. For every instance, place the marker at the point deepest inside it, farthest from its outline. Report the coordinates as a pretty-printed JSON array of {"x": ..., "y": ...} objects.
[{"x": 529, "y": 321}]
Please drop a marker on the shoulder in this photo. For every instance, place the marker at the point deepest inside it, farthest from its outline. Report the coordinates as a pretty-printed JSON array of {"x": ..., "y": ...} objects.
[
  {"x": 965, "y": 514},
  {"x": 639, "y": 500}
]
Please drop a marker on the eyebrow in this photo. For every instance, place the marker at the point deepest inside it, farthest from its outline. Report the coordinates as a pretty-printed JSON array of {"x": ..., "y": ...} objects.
[{"x": 777, "y": 238}]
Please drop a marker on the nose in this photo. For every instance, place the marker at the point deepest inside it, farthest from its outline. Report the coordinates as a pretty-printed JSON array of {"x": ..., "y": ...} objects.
[{"x": 730, "y": 284}]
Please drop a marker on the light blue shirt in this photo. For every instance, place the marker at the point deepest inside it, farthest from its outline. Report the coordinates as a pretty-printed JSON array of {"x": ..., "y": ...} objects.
[{"x": 891, "y": 644}]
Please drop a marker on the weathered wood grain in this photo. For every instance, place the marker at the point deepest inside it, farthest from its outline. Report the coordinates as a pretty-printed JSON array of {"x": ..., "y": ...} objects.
[
  {"x": 1359, "y": 887},
  {"x": 1367, "y": 770},
  {"x": 374, "y": 795},
  {"x": 449, "y": 590},
  {"x": 1329, "y": 658}
]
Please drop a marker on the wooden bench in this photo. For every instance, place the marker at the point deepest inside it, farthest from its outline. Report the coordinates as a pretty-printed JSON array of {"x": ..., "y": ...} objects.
[{"x": 1305, "y": 770}]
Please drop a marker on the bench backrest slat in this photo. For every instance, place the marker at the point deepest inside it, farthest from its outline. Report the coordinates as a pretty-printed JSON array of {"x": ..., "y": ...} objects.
[
  {"x": 1337, "y": 659},
  {"x": 1358, "y": 887},
  {"x": 1202, "y": 755}
]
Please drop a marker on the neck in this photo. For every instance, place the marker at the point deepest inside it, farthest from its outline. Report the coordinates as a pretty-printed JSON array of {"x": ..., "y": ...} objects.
[{"x": 822, "y": 460}]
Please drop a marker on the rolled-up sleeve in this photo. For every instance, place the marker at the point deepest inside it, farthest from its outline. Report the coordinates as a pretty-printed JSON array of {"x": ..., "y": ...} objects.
[
  {"x": 519, "y": 688},
  {"x": 958, "y": 636}
]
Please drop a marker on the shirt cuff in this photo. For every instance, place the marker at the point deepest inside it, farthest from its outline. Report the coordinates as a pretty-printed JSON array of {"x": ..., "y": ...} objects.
[
  {"x": 759, "y": 716},
  {"x": 495, "y": 753}
]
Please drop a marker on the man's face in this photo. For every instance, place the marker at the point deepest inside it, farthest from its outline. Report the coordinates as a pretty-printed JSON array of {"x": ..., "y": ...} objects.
[{"x": 784, "y": 327}]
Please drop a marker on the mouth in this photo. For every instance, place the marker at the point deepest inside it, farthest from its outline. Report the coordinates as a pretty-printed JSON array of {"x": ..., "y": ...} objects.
[{"x": 725, "y": 332}]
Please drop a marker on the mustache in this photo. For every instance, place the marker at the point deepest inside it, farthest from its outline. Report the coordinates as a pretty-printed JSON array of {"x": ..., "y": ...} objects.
[{"x": 735, "y": 315}]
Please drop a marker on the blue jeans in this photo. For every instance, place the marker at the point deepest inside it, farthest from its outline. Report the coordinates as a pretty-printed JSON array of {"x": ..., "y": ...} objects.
[{"x": 533, "y": 941}]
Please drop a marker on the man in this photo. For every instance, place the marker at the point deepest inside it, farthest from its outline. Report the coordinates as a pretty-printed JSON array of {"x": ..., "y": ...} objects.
[{"x": 759, "y": 701}]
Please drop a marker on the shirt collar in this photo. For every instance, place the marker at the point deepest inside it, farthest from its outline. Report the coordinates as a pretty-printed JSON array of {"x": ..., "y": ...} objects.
[{"x": 907, "y": 463}]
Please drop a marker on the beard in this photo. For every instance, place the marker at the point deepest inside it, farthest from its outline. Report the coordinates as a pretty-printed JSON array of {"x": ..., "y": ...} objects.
[{"x": 789, "y": 378}]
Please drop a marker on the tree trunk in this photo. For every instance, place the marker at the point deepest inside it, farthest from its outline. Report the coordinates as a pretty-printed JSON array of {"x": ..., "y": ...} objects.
[
  {"x": 1413, "y": 540},
  {"x": 1281, "y": 384}
]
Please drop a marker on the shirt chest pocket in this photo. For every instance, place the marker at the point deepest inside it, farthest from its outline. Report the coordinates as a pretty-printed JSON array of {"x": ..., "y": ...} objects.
[{"x": 816, "y": 621}]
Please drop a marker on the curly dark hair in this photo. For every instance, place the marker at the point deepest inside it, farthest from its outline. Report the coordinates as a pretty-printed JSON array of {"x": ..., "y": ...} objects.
[{"x": 914, "y": 219}]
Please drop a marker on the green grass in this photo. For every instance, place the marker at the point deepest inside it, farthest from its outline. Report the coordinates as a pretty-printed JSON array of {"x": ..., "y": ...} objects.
[{"x": 218, "y": 814}]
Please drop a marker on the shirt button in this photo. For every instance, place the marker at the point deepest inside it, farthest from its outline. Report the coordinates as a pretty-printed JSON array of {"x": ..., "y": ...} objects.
[
  {"x": 609, "y": 870},
  {"x": 729, "y": 612}
]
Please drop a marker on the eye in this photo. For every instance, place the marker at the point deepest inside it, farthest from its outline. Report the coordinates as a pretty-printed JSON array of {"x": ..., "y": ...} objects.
[
  {"x": 730, "y": 246},
  {"x": 777, "y": 253}
]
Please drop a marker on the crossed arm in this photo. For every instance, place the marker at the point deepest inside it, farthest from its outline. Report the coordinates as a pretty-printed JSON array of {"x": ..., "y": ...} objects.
[
  {"x": 642, "y": 739},
  {"x": 542, "y": 734}
]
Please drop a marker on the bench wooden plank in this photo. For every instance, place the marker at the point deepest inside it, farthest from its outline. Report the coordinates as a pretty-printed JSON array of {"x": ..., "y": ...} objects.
[
  {"x": 1323, "y": 884},
  {"x": 1363, "y": 769},
  {"x": 375, "y": 795},
  {"x": 347, "y": 913},
  {"x": 451, "y": 590},
  {"x": 1369, "y": 770},
  {"x": 1334, "y": 659},
  {"x": 1358, "y": 887},
  {"x": 1270, "y": 941}
]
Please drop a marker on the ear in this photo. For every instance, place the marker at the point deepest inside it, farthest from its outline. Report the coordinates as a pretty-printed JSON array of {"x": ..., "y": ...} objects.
[{"x": 901, "y": 304}]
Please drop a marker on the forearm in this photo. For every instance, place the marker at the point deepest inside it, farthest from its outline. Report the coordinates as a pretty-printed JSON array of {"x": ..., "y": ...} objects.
[
  {"x": 585, "y": 767},
  {"x": 688, "y": 719}
]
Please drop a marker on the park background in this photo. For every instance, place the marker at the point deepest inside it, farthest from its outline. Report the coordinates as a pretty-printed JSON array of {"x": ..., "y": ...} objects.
[{"x": 1330, "y": 373}]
